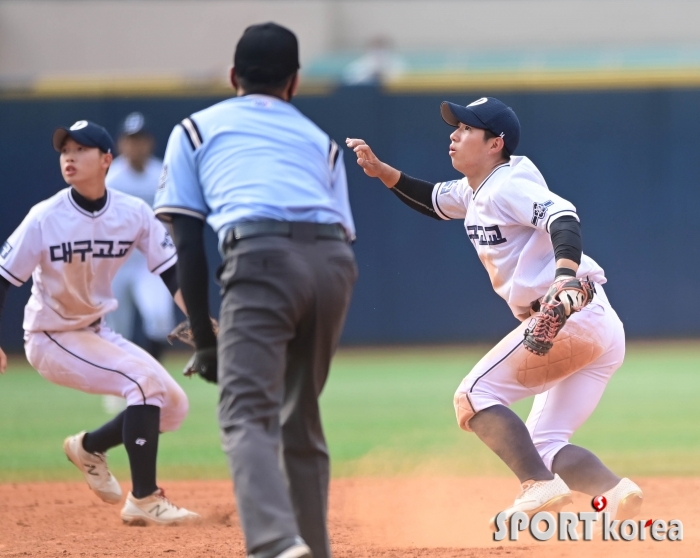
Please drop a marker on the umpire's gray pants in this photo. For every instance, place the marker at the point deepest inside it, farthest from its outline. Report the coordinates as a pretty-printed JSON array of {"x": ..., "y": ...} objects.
[{"x": 283, "y": 310}]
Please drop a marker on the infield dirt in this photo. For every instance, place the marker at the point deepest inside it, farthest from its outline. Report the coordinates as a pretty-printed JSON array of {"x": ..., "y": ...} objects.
[{"x": 444, "y": 517}]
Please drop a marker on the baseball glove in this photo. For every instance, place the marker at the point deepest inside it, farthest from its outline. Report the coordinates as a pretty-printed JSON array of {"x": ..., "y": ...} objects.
[
  {"x": 566, "y": 296},
  {"x": 183, "y": 332}
]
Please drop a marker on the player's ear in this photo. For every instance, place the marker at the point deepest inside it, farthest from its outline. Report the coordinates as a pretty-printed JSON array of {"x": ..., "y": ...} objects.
[
  {"x": 498, "y": 144},
  {"x": 232, "y": 77},
  {"x": 106, "y": 160},
  {"x": 294, "y": 85}
]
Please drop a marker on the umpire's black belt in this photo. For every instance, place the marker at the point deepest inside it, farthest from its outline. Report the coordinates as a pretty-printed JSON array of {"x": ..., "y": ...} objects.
[{"x": 301, "y": 230}]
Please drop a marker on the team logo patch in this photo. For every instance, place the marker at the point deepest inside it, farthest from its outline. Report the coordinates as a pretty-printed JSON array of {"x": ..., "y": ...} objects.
[
  {"x": 447, "y": 186},
  {"x": 163, "y": 178},
  {"x": 5, "y": 250},
  {"x": 539, "y": 210},
  {"x": 167, "y": 241}
]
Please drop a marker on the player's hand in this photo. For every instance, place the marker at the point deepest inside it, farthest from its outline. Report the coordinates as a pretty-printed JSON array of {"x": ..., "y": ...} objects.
[
  {"x": 3, "y": 362},
  {"x": 365, "y": 157},
  {"x": 371, "y": 164},
  {"x": 203, "y": 362}
]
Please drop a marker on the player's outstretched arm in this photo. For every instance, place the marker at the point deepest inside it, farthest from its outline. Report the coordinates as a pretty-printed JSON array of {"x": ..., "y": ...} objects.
[
  {"x": 3, "y": 362},
  {"x": 371, "y": 164}
]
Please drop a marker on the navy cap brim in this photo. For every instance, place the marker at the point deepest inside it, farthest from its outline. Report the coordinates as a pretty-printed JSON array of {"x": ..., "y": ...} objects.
[
  {"x": 60, "y": 135},
  {"x": 454, "y": 114}
]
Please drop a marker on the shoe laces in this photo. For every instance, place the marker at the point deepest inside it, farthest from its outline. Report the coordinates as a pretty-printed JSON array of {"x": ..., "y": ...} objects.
[{"x": 160, "y": 493}]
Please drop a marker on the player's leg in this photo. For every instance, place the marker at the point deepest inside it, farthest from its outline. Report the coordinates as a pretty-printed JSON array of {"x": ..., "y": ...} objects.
[
  {"x": 91, "y": 361},
  {"x": 482, "y": 402},
  {"x": 304, "y": 446},
  {"x": 559, "y": 412},
  {"x": 156, "y": 308},
  {"x": 265, "y": 292},
  {"x": 509, "y": 373}
]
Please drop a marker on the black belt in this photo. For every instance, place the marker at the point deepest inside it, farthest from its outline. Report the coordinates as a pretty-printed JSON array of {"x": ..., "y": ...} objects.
[{"x": 301, "y": 230}]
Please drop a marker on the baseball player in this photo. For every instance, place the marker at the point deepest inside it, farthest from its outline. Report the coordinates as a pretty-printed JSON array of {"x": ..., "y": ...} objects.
[
  {"x": 273, "y": 186},
  {"x": 136, "y": 172},
  {"x": 71, "y": 245},
  {"x": 529, "y": 240}
]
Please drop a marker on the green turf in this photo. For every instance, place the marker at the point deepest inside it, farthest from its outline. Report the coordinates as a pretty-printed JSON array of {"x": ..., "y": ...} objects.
[{"x": 386, "y": 412}]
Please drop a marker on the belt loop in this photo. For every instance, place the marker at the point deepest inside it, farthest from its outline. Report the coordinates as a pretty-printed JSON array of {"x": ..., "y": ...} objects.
[{"x": 303, "y": 232}]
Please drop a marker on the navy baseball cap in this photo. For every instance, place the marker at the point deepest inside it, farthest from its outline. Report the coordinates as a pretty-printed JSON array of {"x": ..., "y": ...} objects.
[
  {"x": 487, "y": 113},
  {"x": 266, "y": 53},
  {"x": 85, "y": 133},
  {"x": 134, "y": 123}
]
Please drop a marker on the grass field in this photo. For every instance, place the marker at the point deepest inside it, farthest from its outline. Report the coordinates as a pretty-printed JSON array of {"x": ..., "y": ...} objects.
[{"x": 386, "y": 412}]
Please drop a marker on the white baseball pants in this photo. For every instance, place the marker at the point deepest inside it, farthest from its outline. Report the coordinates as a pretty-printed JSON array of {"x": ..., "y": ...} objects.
[
  {"x": 567, "y": 384},
  {"x": 98, "y": 360}
]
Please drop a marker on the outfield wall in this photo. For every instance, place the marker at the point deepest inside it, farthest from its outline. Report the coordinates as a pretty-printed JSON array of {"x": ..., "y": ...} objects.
[{"x": 626, "y": 159}]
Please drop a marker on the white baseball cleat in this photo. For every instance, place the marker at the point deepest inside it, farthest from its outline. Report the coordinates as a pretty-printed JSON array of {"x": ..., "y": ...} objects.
[
  {"x": 94, "y": 468},
  {"x": 624, "y": 500},
  {"x": 536, "y": 496},
  {"x": 155, "y": 508}
]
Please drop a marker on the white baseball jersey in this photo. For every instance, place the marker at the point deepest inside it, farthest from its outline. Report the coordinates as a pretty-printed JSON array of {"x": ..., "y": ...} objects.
[
  {"x": 507, "y": 219},
  {"x": 72, "y": 256},
  {"x": 123, "y": 177}
]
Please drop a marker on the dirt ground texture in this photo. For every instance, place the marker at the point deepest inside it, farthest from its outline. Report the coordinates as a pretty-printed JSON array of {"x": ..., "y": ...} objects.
[{"x": 444, "y": 517}]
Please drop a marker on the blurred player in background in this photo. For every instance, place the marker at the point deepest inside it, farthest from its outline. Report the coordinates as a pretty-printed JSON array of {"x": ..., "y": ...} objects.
[{"x": 136, "y": 172}]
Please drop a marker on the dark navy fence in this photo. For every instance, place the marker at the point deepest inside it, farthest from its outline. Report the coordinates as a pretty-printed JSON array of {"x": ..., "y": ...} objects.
[{"x": 628, "y": 160}]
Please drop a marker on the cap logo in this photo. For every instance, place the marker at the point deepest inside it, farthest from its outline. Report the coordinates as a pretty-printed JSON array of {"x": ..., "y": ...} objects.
[
  {"x": 133, "y": 123},
  {"x": 502, "y": 135},
  {"x": 479, "y": 102},
  {"x": 79, "y": 125}
]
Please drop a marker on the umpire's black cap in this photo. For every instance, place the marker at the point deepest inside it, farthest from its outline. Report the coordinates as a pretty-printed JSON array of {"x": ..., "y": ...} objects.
[
  {"x": 487, "y": 113},
  {"x": 85, "y": 133},
  {"x": 266, "y": 53}
]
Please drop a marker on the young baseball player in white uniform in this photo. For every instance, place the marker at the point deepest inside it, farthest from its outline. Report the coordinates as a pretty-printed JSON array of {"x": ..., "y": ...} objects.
[
  {"x": 136, "y": 172},
  {"x": 528, "y": 238},
  {"x": 71, "y": 245}
]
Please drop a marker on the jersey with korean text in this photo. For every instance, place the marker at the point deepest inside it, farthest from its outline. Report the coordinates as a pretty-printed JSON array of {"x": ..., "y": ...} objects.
[
  {"x": 507, "y": 219},
  {"x": 72, "y": 256}
]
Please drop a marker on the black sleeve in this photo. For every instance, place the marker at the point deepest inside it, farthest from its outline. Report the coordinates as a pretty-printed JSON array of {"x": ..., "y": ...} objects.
[
  {"x": 566, "y": 238},
  {"x": 193, "y": 276},
  {"x": 169, "y": 277},
  {"x": 416, "y": 194},
  {"x": 4, "y": 287}
]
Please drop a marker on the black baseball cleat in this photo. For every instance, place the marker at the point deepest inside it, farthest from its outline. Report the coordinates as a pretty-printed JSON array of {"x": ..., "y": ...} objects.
[{"x": 286, "y": 548}]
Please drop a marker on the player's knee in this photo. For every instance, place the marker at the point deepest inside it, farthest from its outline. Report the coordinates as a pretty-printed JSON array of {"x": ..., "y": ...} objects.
[
  {"x": 174, "y": 410},
  {"x": 463, "y": 410}
]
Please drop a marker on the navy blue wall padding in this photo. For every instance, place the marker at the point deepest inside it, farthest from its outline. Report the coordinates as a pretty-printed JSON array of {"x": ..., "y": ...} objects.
[{"x": 626, "y": 159}]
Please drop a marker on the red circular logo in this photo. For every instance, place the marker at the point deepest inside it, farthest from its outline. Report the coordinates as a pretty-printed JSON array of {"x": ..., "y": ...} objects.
[{"x": 599, "y": 503}]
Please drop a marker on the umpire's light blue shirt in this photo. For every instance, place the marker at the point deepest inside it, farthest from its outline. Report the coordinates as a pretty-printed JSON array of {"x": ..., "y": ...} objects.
[{"x": 253, "y": 158}]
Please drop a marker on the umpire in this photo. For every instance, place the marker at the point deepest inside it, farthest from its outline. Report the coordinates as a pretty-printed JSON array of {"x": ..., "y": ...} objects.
[{"x": 273, "y": 187}]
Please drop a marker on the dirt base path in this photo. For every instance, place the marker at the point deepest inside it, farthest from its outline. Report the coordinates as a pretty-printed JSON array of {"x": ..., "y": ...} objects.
[{"x": 369, "y": 517}]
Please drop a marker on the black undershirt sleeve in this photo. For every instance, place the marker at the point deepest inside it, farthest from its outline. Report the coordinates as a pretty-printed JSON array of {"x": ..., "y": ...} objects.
[
  {"x": 193, "y": 277},
  {"x": 566, "y": 238},
  {"x": 169, "y": 277},
  {"x": 416, "y": 194},
  {"x": 4, "y": 287}
]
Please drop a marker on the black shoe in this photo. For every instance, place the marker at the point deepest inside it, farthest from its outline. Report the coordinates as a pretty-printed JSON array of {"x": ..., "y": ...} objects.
[{"x": 286, "y": 548}]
